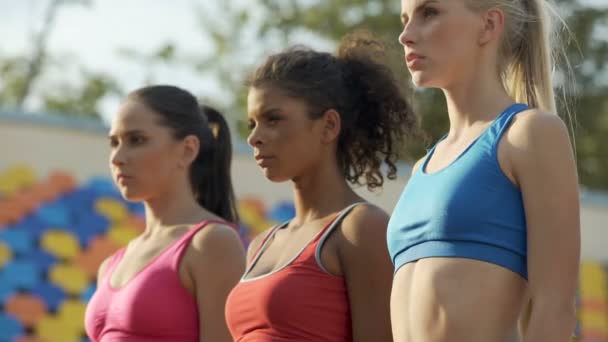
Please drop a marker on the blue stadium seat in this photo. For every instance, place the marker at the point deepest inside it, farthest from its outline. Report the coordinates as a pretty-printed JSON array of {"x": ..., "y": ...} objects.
[
  {"x": 22, "y": 274},
  {"x": 103, "y": 187},
  {"x": 6, "y": 289},
  {"x": 10, "y": 328},
  {"x": 34, "y": 225},
  {"x": 56, "y": 214},
  {"x": 51, "y": 294},
  {"x": 281, "y": 212},
  {"x": 42, "y": 258},
  {"x": 20, "y": 241},
  {"x": 86, "y": 295},
  {"x": 80, "y": 200},
  {"x": 91, "y": 221}
]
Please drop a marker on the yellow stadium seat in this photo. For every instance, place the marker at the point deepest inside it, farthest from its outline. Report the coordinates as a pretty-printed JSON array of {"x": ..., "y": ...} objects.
[
  {"x": 8, "y": 187},
  {"x": 71, "y": 312},
  {"x": 30, "y": 339},
  {"x": 593, "y": 313},
  {"x": 70, "y": 278},
  {"x": 593, "y": 280},
  {"x": 594, "y": 320},
  {"x": 121, "y": 235},
  {"x": 261, "y": 225},
  {"x": 62, "y": 244},
  {"x": 21, "y": 174},
  {"x": 53, "y": 329},
  {"x": 5, "y": 254},
  {"x": 16, "y": 178},
  {"x": 249, "y": 214},
  {"x": 111, "y": 208}
]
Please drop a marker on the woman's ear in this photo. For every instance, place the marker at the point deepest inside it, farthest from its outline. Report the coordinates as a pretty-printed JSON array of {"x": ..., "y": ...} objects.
[
  {"x": 190, "y": 147},
  {"x": 493, "y": 24},
  {"x": 332, "y": 124}
]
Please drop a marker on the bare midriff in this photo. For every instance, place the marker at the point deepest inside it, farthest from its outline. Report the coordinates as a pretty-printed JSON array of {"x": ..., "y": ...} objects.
[{"x": 456, "y": 300}]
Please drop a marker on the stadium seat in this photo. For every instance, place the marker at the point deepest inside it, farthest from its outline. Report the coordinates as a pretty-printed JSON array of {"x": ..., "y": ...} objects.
[
  {"x": 20, "y": 241},
  {"x": 22, "y": 274},
  {"x": 72, "y": 279},
  {"x": 5, "y": 253},
  {"x": 51, "y": 294},
  {"x": 54, "y": 214},
  {"x": 62, "y": 244},
  {"x": 53, "y": 329},
  {"x": 91, "y": 258},
  {"x": 113, "y": 209},
  {"x": 593, "y": 312},
  {"x": 72, "y": 313},
  {"x": 10, "y": 328},
  {"x": 28, "y": 309},
  {"x": 121, "y": 234}
]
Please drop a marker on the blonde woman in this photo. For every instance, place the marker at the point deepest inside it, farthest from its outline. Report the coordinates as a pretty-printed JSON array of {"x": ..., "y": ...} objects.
[{"x": 489, "y": 221}]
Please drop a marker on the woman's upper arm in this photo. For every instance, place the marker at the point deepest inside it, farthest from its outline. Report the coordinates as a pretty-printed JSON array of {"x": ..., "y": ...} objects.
[
  {"x": 368, "y": 271},
  {"x": 544, "y": 167},
  {"x": 216, "y": 263}
]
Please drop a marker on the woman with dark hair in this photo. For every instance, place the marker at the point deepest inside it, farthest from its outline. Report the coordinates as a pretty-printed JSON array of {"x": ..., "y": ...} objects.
[
  {"x": 171, "y": 282},
  {"x": 322, "y": 121}
]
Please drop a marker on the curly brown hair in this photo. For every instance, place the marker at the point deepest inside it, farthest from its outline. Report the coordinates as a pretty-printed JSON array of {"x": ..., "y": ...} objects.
[{"x": 376, "y": 116}]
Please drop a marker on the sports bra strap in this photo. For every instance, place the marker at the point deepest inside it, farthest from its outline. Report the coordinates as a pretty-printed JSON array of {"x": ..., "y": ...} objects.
[
  {"x": 263, "y": 245},
  {"x": 336, "y": 222}
]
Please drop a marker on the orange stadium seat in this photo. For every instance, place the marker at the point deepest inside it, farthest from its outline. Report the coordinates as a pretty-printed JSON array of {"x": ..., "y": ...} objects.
[
  {"x": 28, "y": 309},
  {"x": 91, "y": 258}
]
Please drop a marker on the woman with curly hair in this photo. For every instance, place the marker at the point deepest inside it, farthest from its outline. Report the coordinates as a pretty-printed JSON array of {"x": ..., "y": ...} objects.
[{"x": 322, "y": 121}]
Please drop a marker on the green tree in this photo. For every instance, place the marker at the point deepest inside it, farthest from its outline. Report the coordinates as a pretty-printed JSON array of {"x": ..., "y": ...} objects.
[
  {"x": 588, "y": 54},
  {"x": 20, "y": 76}
]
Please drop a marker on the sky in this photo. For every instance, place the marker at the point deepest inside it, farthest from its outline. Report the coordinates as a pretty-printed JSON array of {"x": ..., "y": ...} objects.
[{"x": 90, "y": 36}]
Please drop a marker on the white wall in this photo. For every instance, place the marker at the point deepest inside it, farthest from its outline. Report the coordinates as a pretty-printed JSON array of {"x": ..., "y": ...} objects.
[{"x": 84, "y": 153}]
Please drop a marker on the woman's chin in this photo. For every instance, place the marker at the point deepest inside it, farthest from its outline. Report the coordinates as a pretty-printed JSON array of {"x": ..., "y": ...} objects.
[
  {"x": 274, "y": 176},
  {"x": 422, "y": 79},
  {"x": 130, "y": 195}
]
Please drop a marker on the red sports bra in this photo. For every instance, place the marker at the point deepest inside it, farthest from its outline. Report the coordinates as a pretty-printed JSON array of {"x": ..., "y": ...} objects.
[{"x": 299, "y": 302}]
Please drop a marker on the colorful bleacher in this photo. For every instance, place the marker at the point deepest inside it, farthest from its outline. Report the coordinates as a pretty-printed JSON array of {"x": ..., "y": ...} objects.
[{"x": 54, "y": 234}]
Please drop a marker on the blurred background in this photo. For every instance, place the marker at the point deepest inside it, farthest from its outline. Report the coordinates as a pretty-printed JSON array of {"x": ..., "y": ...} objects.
[{"x": 65, "y": 65}]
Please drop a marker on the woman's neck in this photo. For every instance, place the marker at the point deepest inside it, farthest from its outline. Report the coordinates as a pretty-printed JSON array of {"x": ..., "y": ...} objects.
[
  {"x": 173, "y": 208},
  {"x": 474, "y": 101},
  {"x": 321, "y": 192}
]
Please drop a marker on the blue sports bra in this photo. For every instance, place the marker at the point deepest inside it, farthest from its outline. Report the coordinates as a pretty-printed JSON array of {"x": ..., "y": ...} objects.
[{"x": 469, "y": 209}]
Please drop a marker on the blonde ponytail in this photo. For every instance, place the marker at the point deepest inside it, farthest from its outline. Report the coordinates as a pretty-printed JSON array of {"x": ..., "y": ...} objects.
[
  {"x": 527, "y": 76},
  {"x": 526, "y": 57}
]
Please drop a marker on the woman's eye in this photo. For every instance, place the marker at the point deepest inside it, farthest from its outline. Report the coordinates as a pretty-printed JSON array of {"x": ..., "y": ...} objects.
[
  {"x": 273, "y": 121},
  {"x": 137, "y": 140},
  {"x": 429, "y": 12}
]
